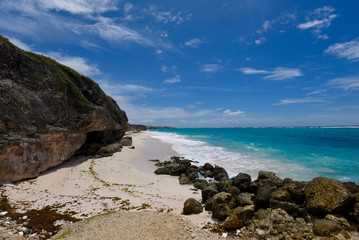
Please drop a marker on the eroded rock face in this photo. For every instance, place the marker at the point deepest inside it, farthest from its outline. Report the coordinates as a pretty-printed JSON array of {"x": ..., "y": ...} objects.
[{"x": 48, "y": 112}]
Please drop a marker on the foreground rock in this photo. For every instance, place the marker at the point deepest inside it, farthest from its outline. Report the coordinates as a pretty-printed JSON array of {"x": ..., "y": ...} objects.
[
  {"x": 192, "y": 206},
  {"x": 49, "y": 112}
]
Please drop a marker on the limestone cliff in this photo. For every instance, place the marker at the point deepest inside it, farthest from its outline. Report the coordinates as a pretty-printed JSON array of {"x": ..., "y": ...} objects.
[{"x": 47, "y": 112}]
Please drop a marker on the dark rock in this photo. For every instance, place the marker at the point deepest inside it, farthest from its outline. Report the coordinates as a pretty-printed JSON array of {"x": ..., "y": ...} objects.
[
  {"x": 109, "y": 150},
  {"x": 352, "y": 187},
  {"x": 242, "y": 181},
  {"x": 287, "y": 181},
  {"x": 48, "y": 112},
  {"x": 220, "y": 174},
  {"x": 325, "y": 228},
  {"x": 325, "y": 195},
  {"x": 208, "y": 192},
  {"x": 286, "y": 206},
  {"x": 253, "y": 187},
  {"x": 208, "y": 167},
  {"x": 192, "y": 172},
  {"x": 297, "y": 191},
  {"x": 281, "y": 194},
  {"x": 192, "y": 206},
  {"x": 338, "y": 219},
  {"x": 222, "y": 205},
  {"x": 263, "y": 196},
  {"x": 239, "y": 217},
  {"x": 356, "y": 211},
  {"x": 244, "y": 199},
  {"x": 200, "y": 183},
  {"x": 269, "y": 178},
  {"x": 192, "y": 176},
  {"x": 183, "y": 179},
  {"x": 223, "y": 186},
  {"x": 205, "y": 173},
  {"x": 234, "y": 191},
  {"x": 177, "y": 169},
  {"x": 126, "y": 141},
  {"x": 162, "y": 171}
]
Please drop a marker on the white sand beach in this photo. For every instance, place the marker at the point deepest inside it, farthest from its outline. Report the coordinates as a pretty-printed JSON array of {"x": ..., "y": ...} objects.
[{"x": 124, "y": 181}]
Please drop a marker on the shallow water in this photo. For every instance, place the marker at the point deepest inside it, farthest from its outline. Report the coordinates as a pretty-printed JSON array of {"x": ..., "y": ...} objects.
[{"x": 298, "y": 153}]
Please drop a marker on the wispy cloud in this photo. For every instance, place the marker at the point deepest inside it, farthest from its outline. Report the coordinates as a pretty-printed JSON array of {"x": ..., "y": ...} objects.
[
  {"x": 260, "y": 41},
  {"x": 167, "y": 16},
  {"x": 346, "y": 107},
  {"x": 317, "y": 20},
  {"x": 231, "y": 114},
  {"x": 20, "y": 44},
  {"x": 79, "y": 6},
  {"x": 350, "y": 83},
  {"x": 194, "y": 42},
  {"x": 80, "y": 64},
  {"x": 278, "y": 73},
  {"x": 265, "y": 27},
  {"x": 208, "y": 68},
  {"x": 298, "y": 100},
  {"x": 175, "y": 79},
  {"x": 348, "y": 50}
]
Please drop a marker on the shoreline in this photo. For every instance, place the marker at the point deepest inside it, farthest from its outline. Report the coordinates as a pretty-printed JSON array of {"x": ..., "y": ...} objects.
[{"x": 86, "y": 187}]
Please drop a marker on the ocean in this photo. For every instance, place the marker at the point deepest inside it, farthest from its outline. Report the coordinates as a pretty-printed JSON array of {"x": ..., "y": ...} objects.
[{"x": 297, "y": 153}]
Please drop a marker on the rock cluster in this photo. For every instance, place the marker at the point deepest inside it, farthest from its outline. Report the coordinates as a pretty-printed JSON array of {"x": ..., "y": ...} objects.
[
  {"x": 48, "y": 113},
  {"x": 271, "y": 207}
]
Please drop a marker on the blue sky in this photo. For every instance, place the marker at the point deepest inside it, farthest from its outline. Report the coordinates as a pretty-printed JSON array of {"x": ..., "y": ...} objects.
[{"x": 204, "y": 63}]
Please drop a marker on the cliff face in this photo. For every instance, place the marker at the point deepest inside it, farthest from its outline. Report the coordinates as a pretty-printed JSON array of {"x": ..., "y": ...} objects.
[{"x": 47, "y": 112}]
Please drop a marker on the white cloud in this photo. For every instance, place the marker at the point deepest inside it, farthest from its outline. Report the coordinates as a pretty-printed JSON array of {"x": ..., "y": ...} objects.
[
  {"x": 260, "y": 40},
  {"x": 265, "y": 27},
  {"x": 167, "y": 16},
  {"x": 20, "y": 44},
  {"x": 351, "y": 83},
  {"x": 281, "y": 73},
  {"x": 175, "y": 79},
  {"x": 164, "y": 69},
  {"x": 195, "y": 42},
  {"x": 348, "y": 50},
  {"x": 79, "y": 6},
  {"x": 127, "y": 7},
  {"x": 278, "y": 73},
  {"x": 230, "y": 113},
  {"x": 81, "y": 65},
  {"x": 317, "y": 20},
  {"x": 211, "y": 68},
  {"x": 298, "y": 100}
]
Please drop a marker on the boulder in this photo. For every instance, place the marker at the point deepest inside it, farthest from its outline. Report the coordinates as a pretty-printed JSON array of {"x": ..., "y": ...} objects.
[
  {"x": 239, "y": 217},
  {"x": 356, "y": 211},
  {"x": 192, "y": 206},
  {"x": 208, "y": 192},
  {"x": 263, "y": 196},
  {"x": 162, "y": 171},
  {"x": 269, "y": 178},
  {"x": 281, "y": 194},
  {"x": 244, "y": 199},
  {"x": 222, "y": 205},
  {"x": 325, "y": 195},
  {"x": 177, "y": 169},
  {"x": 208, "y": 166},
  {"x": 338, "y": 219},
  {"x": 297, "y": 191},
  {"x": 324, "y": 228},
  {"x": 126, "y": 141},
  {"x": 242, "y": 181},
  {"x": 109, "y": 150},
  {"x": 183, "y": 179},
  {"x": 286, "y": 206},
  {"x": 200, "y": 183},
  {"x": 49, "y": 113},
  {"x": 220, "y": 174}
]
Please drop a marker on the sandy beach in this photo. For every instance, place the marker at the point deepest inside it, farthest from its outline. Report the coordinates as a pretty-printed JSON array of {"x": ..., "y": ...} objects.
[{"x": 85, "y": 187}]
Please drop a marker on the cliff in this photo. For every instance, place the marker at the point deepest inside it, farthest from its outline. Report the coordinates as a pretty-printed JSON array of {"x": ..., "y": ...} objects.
[{"x": 48, "y": 112}]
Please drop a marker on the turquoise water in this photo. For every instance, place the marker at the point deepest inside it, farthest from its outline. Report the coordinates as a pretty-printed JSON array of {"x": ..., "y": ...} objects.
[{"x": 298, "y": 153}]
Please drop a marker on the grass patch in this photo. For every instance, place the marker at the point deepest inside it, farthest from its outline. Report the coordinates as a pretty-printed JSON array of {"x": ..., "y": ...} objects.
[{"x": 64, "y": 235}]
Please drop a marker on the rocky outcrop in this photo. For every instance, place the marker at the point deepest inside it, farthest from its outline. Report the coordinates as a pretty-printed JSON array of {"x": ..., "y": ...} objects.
[
  {"x": 192, "y": 206},
  {"x": 49, "y": 112}
]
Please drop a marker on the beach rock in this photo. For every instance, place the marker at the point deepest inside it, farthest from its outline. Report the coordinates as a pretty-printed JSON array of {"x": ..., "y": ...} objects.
[
  {"x": 296, "y": 191},
  {"x": 338, "y": 219},
  {"x": 177, "y": 169},
  {"x": 208, "y": 192},
  {"x": 286, "y": 206},
  {"x": 239, "y": 217},
  {"x": 322, "y": 227},
  {"x": 183, "y": 179},
  {"x": 356, "y": 211},
  {"x": 325, "y": 195},
  {"x": 244, "y": 199},
  {"x": 352, "y": 187},
  {"x": 220, "y": 174},
  {"x": 242, "y": 181},
  {"x": 192, "y": 206},
  {"x": 200, "y": 183},
  {"x": 222, "y": 205},
  {"x": 208, "y": 166},
  {"x": 281, "y": 194},
  {"x": 48, "y": 113},
  {"x": 126, "y": 141},
  {"x": 263, "y": 196},
  {"x": 162, "y": 171},
  {"x": 269, "y": 178},
  {"x": 109, "y": 150}
]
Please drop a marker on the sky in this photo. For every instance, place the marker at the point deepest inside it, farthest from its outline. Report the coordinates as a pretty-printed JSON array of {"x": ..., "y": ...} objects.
[{"x": 204, "y": 63}]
